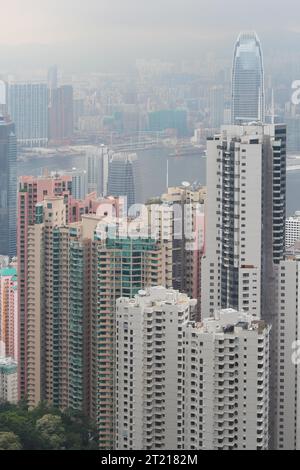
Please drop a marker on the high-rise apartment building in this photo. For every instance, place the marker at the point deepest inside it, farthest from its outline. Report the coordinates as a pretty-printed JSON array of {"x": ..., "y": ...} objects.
[
  {"x": 9, "y": 311},
  {"x": 248, "y": 96},
  {"x": 8, "y": 380},
  {"x": 185, "y": 385},
  {"x": 244, "y": 241},
  {"x": 292, "y": 230},
  {"x": 28, "y": 108},
  {"x": 8, "y": 187},
  {"x": 75, "y": 274},
  {"x": 178, "y": 218},
  {"x": 287, "y": 416}
]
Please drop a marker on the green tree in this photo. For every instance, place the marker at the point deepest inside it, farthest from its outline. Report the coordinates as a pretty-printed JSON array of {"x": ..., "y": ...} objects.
[
  {"x": 51, "y": 430},
  {"x": 9, "y": 441}
]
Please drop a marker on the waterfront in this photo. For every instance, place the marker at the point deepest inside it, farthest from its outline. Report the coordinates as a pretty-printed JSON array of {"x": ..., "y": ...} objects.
[{"x": 153, "y": 172}]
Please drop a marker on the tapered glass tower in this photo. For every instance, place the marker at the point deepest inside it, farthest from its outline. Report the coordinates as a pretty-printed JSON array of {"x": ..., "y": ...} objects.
[{"x": 248, "y": 100}]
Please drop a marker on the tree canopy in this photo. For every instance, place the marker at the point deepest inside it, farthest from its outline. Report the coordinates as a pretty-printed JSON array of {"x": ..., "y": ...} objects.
[{"x": 44, "y": 428}]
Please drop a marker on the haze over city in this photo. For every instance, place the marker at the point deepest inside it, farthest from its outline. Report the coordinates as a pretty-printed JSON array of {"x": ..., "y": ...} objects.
[{"x": 106, "y": 35}]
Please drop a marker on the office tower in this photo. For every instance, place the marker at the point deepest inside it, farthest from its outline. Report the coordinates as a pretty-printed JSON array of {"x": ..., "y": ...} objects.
[
  {"x": 287, "y": 355},
  {"x": 248, "y": 96},
  {"x": 9, "y": 311},
  {"x": 216, "y": 106},
  {"x": 244, "y": 240},
  {"x": 96, "y": 166},
  {"x": 8, "y": 380},
  {"x": 178, "y": 218},
  {"x": 8, "y": 187},
  {"x": 292, "y": 229},
  {"x": 61, "y": 115},
  {"x": 123, "y": 177},
  {"x": 28, "y": 107},
  {"x": 185, "y": 385}
]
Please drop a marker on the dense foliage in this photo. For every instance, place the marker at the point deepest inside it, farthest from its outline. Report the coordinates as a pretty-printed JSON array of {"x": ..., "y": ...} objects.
[{"x": 44, "y": 428}]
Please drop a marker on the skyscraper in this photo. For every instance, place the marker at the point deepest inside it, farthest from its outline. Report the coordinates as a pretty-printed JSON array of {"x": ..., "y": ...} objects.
[
  {"x": 186, "y": 385},
  {"x": 28, "y": 107},
  {"x": 177, "y": 217},
  {"x": 8, "y": 188},
  {"x": 123, "y": 177},
  {"x": 246, "y": 193},
  {"x": 248, "y": 96},
  {"x": 287, "y": 391},
  {"x": 96, "y": 166}
]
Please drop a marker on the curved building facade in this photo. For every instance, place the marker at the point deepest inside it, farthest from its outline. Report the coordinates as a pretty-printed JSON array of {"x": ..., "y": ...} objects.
[{"x": 248, "y": 98}]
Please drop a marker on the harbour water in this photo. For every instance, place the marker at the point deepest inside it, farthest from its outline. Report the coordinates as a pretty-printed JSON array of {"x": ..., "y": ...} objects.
[{"x": 153, "y": 172}]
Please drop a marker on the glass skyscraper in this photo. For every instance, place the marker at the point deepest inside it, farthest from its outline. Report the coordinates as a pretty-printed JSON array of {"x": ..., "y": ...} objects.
[{"x": 248, "y": 100}]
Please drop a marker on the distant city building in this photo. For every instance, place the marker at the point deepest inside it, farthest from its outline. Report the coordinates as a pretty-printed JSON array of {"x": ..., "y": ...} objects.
[
  {"x": 8, "y": 188},
  {"x": 79, "y": 183},
  {"x": 293, "y": 134},
  {"x": 8, "y": 381},
  {"x": 9, "y": 311},
  {"x": 28, "y": 108},
  {"x": 216, "y": 106},
  {"x": 248, "y": 96},
  {"x": 124, "y": 177},
  {"x": 169, "y": 119},
  {"x": 61, "y": 119},
  {"x": 195, "y": 385},
  {"x": 96, "y": 166},
  {"x": 292, "y": 229},
  {"x": 53, "y": 78}
]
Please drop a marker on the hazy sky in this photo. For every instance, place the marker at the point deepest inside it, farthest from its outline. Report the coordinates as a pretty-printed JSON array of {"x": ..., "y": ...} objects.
[{"x": 91, "y": 32}]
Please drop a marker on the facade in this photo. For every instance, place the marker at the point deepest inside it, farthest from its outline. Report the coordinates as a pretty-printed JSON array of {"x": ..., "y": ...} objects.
[
  {"x": 8, "y": 188},
  {"x": 245, "y": 230},
  {"x": 96, "y": 166},
  {"x": 8, "y": 380},
  {"x": 178, "y": 218},
  {"x": 9, "y": 311},
  {"x": 182, "y": 385},
  {"x": 216, "y": 106},
  {"x": 75, "y": 276},
  {"x": 287, "y": 354},
  {"x": 248, "y": 96},
  {"x": 123, "y": 177},
  {"x": 28, "y": 108},
  {"x": 292, "y": 230}
]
